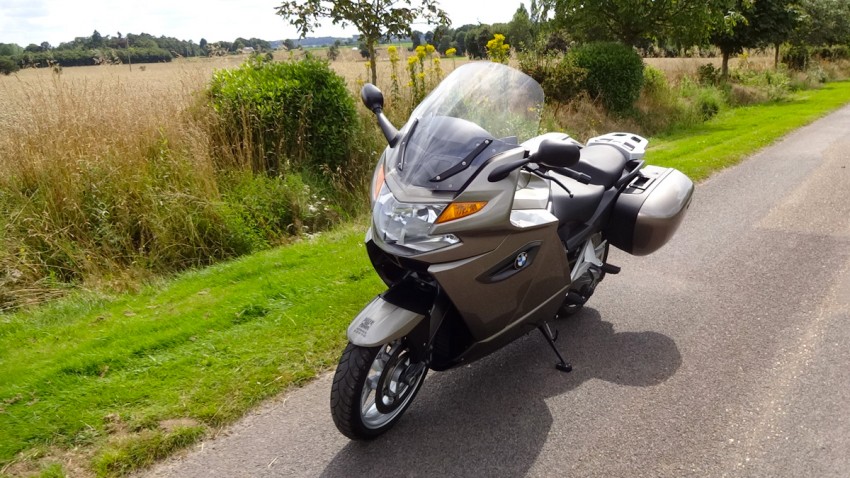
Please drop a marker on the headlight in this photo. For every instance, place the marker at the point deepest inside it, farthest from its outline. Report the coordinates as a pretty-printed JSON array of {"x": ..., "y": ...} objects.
[{"x": 407, "y": 224}]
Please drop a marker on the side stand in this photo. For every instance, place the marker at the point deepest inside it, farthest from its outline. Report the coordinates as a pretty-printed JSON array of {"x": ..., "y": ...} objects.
[{"x": 562, "y": 365}]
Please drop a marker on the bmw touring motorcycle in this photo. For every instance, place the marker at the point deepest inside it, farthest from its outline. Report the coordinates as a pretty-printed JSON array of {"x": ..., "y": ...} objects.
[{"x": 484, "y": 231}]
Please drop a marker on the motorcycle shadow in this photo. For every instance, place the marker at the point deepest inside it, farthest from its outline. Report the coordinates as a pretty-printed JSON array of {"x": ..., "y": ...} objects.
[{"x": 490, "y": 418}]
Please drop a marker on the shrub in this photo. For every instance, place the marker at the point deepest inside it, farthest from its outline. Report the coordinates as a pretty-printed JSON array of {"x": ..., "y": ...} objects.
[
  {"x": 263, "y": 209},
  {"x": 774, "y": 84},
  {"x": 557, "y": 41},
  {"x": 797, "y": 57},
  {"x": 835, "y": 52},
  {"x": 8, "y": 66},
  {"x": 709, "y": 102},
  {"x": 659, "y": 107},
  {"x": 497, "y": 50},
  {"x": 704, "y": 102},
  {"x": 743, "y": 95},
  {"x": 559, "y": 76},
  {"x": 282, "y": 115},
  {"x": 654, "y": 81},
  {"x": 709, "y": 75},
  {"x": 614, "y": 73}
]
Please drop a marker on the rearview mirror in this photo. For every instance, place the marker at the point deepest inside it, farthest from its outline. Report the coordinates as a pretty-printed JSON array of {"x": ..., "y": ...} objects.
[
  {"x": 372, "y": 97},
  {"x": 374, "y": 100},
  {"x": 556, "y": 154}
]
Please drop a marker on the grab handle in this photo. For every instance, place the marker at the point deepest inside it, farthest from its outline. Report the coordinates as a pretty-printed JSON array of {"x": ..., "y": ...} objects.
[{"x": 633, "y": 173}]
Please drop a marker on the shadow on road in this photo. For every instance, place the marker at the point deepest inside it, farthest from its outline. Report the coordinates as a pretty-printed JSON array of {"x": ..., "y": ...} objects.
[{"x": 491, "y": 418}]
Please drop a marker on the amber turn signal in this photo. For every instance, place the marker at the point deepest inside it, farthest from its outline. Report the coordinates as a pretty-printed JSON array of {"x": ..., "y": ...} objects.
[
  {"x": 378, "y": 181},
  {"x": 457, "y": 210}
]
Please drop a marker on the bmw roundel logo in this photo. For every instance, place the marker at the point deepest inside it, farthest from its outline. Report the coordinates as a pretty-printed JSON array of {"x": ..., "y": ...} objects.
[{"x": 521, "y": 260}]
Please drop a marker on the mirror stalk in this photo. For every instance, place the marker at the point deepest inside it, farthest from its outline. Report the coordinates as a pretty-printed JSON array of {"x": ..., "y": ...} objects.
[
  {"x": 374, "y": 100},
  {"x": 390, "y": 131}
]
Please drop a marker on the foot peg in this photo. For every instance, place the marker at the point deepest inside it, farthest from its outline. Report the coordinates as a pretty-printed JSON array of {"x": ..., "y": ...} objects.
[
  {"x": 562, "y": 364},
  {"x": 610, "y": 269}
]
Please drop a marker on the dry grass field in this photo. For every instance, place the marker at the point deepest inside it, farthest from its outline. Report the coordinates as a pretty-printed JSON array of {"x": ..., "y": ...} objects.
[
  {"x": 147, "y": 91},
  {"x": 107, "y": 172},
  {"x": 155, "y": 91}
]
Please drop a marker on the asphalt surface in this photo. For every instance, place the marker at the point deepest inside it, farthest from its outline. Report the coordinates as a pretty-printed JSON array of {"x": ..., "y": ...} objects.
[{"x": 727, "y": 353}]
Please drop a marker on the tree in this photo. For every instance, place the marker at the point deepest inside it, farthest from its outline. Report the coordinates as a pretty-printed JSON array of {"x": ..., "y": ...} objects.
[
  {"x": 460, "y": 38},
  {"x": 774, "y": 22},
  {"x": 96, "y": 39},
  {"x": 754, "y": 23},
  {"x": 365, "y": 53},
  {"x": 333, "y": 51},
  {"x": 476, "y": 41},
  {"x": 823, "y": 22},
  {"x": 636, "y": 22},
  {"x": 8, "y": 66},
  {"x": 460, "y": 43},
  {"x": 521, "y": 30},
  {"x": 374, "y": 20},
  {"x": 733, "y": 31},
  {"x": 10, "y": 49},
  {"x": 416, "y": 38},
  {"x": 445, "y": 42}
]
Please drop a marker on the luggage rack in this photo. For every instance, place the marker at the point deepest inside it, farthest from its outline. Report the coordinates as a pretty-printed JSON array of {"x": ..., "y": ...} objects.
[{"x": 632, "y": 145}]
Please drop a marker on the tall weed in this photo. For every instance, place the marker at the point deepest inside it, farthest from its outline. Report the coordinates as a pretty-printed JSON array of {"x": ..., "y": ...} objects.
[{"x": 103, "y": 185}]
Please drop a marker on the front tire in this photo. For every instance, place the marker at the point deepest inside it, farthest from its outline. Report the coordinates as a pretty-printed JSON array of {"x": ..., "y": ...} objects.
[{"x": 372, "y": 388}]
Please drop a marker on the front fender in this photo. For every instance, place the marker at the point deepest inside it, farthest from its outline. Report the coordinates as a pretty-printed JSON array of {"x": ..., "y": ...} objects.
[{"x": 381, "y": 322}]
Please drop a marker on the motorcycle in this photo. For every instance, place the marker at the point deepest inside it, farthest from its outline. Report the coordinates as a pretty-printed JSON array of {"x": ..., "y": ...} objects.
[{"x": 484, "y": 231}]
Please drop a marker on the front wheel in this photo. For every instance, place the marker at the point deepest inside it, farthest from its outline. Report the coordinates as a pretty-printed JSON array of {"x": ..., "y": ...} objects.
[{"x": 372, "y": 388}]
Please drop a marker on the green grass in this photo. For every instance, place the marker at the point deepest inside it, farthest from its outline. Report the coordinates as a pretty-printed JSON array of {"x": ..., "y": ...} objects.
[
  {"x": 736, "y": 133},
  {"x": 206, "y": 346},
  {"x": 109, "y": 374}
]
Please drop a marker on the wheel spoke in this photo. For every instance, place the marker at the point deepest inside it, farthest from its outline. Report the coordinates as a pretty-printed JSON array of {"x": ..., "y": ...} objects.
[
  {"x": 365, "y": 398},
  {"x": 386, "y": 389}
]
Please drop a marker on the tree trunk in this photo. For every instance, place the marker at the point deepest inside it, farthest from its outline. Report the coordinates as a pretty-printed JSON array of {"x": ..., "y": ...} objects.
[
  {"x": 372, "y": 64},
  {"x": 776, "y": 57},
  {"x": 724, "y": 69}
]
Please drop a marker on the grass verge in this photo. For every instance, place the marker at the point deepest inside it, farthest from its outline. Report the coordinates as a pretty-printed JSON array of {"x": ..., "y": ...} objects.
[
  {"x": 736, "y": 133},
  {"x": 130, "y": 379},
  {"x": 111, "y": 373}
]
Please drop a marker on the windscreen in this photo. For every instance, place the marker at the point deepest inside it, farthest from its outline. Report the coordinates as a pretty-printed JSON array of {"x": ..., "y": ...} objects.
[{"x": 479, "y": 110}]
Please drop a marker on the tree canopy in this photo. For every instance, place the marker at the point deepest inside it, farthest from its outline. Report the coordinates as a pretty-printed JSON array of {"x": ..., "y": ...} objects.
[
  {"x": 374, "y": 20},
  {"x": 637, "y": 22}
]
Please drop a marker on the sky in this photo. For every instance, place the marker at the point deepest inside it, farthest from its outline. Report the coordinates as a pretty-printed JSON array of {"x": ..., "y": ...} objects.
[{"x": 56, "y": 21}]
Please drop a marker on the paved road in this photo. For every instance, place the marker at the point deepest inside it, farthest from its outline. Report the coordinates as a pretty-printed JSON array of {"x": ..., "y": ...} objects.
[{"x": 726, "y": 354}]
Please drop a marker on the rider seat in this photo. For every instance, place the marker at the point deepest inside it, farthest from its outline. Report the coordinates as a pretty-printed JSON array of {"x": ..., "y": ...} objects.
[
  {"x": 603, "y": 163},
  {"x": 579, "y": 208}
]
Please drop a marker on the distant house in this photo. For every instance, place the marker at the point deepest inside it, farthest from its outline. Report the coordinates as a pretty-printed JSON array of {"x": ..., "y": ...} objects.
[{"x": 248, "y": 50}]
